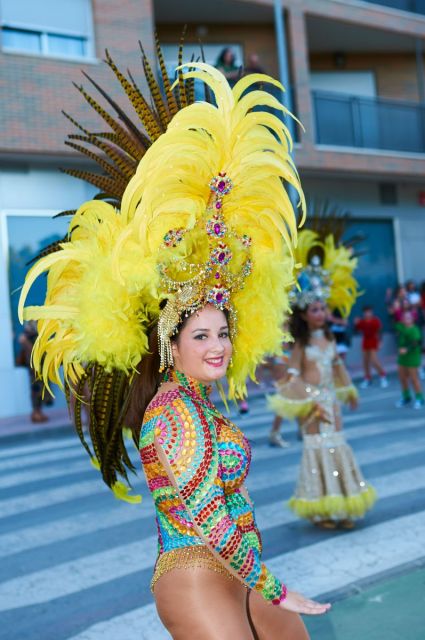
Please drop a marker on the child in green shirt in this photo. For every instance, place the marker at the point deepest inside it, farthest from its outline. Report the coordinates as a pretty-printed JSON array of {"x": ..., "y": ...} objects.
[{"x": 409, "y": 341}]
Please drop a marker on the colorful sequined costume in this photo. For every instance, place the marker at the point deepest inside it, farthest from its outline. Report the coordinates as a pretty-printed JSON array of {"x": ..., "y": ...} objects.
[{"x": 197, "y": 488}]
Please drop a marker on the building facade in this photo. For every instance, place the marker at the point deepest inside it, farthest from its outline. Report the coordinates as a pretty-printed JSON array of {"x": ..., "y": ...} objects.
[{"x": 356, "y": 75}]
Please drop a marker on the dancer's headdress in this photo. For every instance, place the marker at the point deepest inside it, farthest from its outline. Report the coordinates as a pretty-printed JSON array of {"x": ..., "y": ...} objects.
[
  {"x": 326, "y": 274},
  {"x": 202, "y": 214}
]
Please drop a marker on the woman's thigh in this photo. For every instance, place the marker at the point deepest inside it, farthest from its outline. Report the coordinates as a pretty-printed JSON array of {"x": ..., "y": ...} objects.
[
  {"x": 199, "y": 604},
  {"x": 274, "y": 623}
]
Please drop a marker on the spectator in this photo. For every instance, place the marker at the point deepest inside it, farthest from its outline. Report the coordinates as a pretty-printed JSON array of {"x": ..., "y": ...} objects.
[
  {"x": 421, "y": 324},
  {"x": 370, "y": 326},
  {"x": 226, "y": 64},
  {"x": 253, "y": 64},
  {"x": 422, "y": 303},
  {"x": 401, "y": 303},
  {"x": 409, "y": 360},
  {"x": 26, "y": 340},
  {"x": 412, "y": 293},
  {"x": 339, "y": 328}
]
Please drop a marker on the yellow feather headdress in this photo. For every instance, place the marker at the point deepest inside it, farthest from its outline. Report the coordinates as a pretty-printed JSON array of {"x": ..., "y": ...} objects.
[
  {"x": 204, "y": 219},
  {"x": 326, "y": 272}
]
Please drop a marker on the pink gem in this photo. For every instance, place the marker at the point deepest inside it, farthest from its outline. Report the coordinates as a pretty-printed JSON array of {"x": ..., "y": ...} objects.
[
  {"x": 221, "y": 185},
  {"x": 218, "y": 204},
  {"x": 221, "y": 257},
  {"x": 219, "y": 297},
  {"x": 217, "y": 228}
]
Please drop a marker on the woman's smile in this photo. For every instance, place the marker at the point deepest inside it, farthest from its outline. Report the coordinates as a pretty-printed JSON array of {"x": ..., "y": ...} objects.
[{"x": 215, "y": 362}]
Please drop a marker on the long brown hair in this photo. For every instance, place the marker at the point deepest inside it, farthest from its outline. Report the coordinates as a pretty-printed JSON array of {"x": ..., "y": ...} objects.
[
  {"x": 144, "y": 385},
  {"x": 299, "y": 330}
]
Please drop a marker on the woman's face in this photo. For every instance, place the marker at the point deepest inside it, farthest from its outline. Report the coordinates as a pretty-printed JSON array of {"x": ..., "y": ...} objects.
[
  {"x": 228, "y": 57},
  {"x": 203, "y": 348},
  {"x": 315, "y": 316}
]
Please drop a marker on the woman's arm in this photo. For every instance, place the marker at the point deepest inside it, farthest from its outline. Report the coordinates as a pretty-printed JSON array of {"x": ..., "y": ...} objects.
[
  {"x": 296, "y": 360},
  {"x": 186, "y": 444},
  {"x": 345, "y": 390}
]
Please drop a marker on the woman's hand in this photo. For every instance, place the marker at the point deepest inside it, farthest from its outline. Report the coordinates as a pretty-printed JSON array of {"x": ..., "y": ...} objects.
[
  {"x": 319, "y": 413},
  {"x": 298, "y": 604},
  {"x": 353, "y": 403}
]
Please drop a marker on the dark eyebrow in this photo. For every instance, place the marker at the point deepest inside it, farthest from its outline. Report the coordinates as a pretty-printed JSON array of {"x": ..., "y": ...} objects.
[{"x": 206, "y": 330}]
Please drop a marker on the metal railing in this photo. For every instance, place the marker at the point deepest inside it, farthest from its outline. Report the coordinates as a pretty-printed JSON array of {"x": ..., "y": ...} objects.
[
  {"x": 371, "y": 123},
  {"x": 414, "y": 6}
]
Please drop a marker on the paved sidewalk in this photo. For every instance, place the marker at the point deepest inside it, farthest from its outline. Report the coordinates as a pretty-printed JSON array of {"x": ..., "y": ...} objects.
[
  {"x": 393, "y": 609},
  {"x": 76, "y": 563}
]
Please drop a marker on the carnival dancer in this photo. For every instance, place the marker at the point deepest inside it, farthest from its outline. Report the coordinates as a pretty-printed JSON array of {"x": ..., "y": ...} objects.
[
  {"x": 331, "y": 490},
  {"x": 153, "y": 299}
]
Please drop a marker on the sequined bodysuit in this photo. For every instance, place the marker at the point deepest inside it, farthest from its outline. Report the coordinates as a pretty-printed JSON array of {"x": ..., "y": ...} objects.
[{"x": 195, "y": 462}]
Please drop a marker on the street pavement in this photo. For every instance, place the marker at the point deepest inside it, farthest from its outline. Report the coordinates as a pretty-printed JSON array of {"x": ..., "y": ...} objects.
[{"x": 75, "y": 563}]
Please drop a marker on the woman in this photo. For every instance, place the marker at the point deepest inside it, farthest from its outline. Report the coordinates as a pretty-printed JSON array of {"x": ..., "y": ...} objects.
[
  {"x": 226, "y": 64},
  {"x": 207, "y": 526},
  {"x": 331, "y": 490},
  {"x": 185, "y": 296}
]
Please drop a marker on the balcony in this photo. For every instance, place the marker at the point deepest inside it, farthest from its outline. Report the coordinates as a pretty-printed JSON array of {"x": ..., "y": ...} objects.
[
  {"x": 369, "y": 123},
  {"x": 414, "y": 6}
]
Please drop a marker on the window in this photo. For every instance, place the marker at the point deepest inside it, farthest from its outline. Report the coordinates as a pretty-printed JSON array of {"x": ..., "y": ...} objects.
[
  {"x": 27, "y": 235},
  {"x": 61, "y": 29}
]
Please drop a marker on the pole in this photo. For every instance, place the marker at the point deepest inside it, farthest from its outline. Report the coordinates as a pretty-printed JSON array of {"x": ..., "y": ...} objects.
[
  {"x": 282, "y": 59},
  {"x": 286, "y": 97}
]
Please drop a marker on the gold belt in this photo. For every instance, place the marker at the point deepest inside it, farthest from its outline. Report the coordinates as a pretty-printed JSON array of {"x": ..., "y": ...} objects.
[{"x": 187, "y": 558}]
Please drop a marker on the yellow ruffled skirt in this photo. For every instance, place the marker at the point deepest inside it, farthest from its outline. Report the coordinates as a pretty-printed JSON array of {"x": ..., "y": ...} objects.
[{"x": 330, "y": 484}]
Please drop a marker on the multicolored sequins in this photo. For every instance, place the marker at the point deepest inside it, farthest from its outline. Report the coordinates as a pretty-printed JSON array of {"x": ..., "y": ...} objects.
[{"x": 195, "y": 462}]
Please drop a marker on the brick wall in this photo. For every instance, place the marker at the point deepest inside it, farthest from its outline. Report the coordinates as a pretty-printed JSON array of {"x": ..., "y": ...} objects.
[
  {"x": 395, "y": 74},
  {"x": 35, "y": 89},
  {"x": 259, "y": 39}
]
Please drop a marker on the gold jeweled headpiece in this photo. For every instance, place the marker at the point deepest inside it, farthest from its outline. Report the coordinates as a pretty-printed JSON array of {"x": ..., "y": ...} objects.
[
  {"x": 213, "y": 282},
  {"x": 313, "y": 285}
]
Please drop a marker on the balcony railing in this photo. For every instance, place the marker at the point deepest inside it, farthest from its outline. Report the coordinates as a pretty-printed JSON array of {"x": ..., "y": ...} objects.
[
  {"x": 415, "y": 6},
  {"x": 351, "y": 121}
]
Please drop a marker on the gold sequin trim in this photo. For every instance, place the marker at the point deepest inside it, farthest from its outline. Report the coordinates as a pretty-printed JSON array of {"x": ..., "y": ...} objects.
[{"x": 187, "y": 558}]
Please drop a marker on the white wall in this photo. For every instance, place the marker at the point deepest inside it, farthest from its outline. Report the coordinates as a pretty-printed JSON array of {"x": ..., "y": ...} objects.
[{"x": 29, "y": 191}]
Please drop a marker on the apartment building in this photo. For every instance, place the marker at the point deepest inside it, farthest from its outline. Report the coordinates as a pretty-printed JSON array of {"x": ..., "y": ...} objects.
[{"x": 356, "y": 81}]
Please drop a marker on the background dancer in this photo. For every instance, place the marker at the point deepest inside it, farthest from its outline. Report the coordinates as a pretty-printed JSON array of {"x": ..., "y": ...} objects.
[{"x": 331, "y": 490}]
